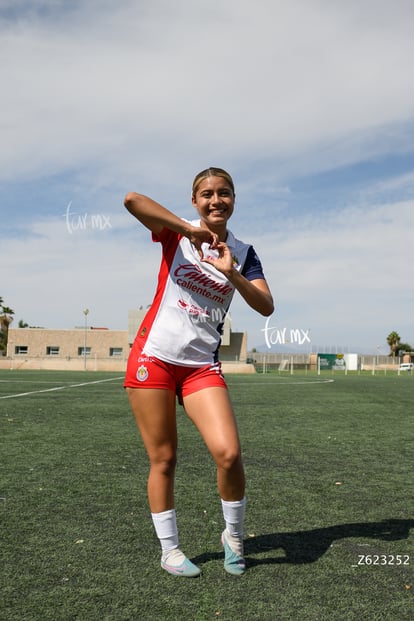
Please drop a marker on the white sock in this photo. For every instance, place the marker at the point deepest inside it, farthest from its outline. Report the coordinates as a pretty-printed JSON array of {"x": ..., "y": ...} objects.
[
  {"x": 165, "y": 524},
  {"x": 233, "y": 513}
]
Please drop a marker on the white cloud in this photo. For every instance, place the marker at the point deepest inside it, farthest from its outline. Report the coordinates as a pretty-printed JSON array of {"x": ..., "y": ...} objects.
[
  {"x": 345, "y": 275},
  {"x": 61, "y": 266},
  {"x": 130, "y": 84}
]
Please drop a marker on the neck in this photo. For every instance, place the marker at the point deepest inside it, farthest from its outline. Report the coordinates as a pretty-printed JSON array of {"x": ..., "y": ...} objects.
[{"x": 221, "y": 231}]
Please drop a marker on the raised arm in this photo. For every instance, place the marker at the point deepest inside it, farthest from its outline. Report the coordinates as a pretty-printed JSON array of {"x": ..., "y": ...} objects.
[{"x": 155, "y": 217}]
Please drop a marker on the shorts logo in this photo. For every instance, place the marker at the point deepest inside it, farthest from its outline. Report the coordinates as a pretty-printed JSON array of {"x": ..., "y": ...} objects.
[{"x": 142, "y": 373}]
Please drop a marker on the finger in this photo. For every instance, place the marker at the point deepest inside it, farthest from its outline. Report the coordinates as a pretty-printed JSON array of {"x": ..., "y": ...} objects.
[{"x": 214, "y": 241}]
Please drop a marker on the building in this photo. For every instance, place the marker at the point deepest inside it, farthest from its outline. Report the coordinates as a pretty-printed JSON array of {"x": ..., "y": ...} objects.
[{"x": 77, "y": 349}]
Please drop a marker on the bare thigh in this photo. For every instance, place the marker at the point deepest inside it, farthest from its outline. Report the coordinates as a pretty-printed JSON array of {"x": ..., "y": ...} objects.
[
  {"x": 154, "y": 412},
  {"x": 212, "y": 413}
]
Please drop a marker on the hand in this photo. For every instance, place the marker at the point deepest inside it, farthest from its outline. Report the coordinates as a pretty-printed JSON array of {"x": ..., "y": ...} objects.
[
  {"x": 199, "y": 236},
  {"x": 224, "y": 262}
]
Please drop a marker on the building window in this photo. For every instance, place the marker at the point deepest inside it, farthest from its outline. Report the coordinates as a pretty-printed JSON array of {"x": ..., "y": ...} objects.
[
  {"x": 84, "y": 351},
  {"x": 21, "y": 349},
  {"x": 52, "y": 350},
  {"x": 115, "y": 351}
]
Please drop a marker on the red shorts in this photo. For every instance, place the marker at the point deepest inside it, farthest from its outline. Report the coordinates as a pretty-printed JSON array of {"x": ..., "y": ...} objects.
[{"x": 148, "y": 372}]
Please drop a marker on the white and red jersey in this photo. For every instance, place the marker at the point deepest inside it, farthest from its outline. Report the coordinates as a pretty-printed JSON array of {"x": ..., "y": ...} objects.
[{"x": 183, "y": 325}]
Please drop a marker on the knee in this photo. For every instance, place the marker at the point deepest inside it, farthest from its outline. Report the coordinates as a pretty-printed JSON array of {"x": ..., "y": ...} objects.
[
  {"x": 164, "y": 463},
  {"x": 229, "y": 459}
]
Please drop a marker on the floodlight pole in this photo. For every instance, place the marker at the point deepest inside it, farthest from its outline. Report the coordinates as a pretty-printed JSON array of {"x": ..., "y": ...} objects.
[{"x": 85, "y": 312}]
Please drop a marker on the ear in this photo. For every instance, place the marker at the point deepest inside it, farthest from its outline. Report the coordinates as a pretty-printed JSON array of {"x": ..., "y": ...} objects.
[{"x": 193, "y": 200}]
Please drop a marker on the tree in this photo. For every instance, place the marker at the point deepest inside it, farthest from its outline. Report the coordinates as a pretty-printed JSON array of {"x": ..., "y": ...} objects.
[
  {"x": 23, "y": 324},
  {"x": 402, "y": 348},
  {"x": 393, "y": 340},
  {"x": 6, "y": 317}
]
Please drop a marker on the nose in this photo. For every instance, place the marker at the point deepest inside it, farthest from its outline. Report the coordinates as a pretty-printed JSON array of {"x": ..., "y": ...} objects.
[{"x": 215, "y": 198}]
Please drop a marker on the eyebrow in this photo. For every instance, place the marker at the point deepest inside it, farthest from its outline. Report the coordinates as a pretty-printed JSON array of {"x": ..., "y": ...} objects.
[{"x": 210, "y": 191}]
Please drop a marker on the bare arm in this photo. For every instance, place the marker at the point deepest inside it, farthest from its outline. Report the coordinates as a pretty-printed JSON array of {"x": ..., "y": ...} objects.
[
  {"x": 256, "y": 292},
  {"x": 155, "y": 217}
]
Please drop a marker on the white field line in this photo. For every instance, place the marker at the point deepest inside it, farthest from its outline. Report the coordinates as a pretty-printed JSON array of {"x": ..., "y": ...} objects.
[
  {"x": 283, "y": 382},
  {"x": 35, "y": 392},
  {"x": 229, "y": 383}
]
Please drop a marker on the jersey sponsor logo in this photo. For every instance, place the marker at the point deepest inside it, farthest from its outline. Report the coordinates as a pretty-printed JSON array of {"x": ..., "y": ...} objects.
[
  {"x": 142, "y": 373},
  {"x": 193, "y": 273},
  {"x": 192, "y": 309}
]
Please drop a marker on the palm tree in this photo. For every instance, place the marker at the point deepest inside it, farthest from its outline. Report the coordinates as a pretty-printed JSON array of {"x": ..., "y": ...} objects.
[
  {"x": 6, "y": 317},
  {"x": 393, "y": 340}
]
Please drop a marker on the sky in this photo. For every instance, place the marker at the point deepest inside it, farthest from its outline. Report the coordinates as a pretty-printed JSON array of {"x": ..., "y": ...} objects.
[{"x": 308, "y": 104}]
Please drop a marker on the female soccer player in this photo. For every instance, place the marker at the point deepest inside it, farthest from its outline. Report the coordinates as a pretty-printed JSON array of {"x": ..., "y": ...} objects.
[{"x": 175, "y": 353}]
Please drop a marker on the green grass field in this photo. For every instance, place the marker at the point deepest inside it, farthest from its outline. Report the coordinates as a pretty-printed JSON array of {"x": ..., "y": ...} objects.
[{"x": 329, "y": 525}]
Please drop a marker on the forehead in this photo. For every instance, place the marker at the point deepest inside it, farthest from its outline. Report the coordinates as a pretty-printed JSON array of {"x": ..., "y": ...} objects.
[{"x": 214, "y": 183}]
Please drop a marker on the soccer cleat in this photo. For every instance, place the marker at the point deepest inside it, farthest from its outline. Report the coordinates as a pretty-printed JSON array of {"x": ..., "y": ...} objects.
[
  {"x": 233, "y": 563},
  {"x": 186, "y": 569}
]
